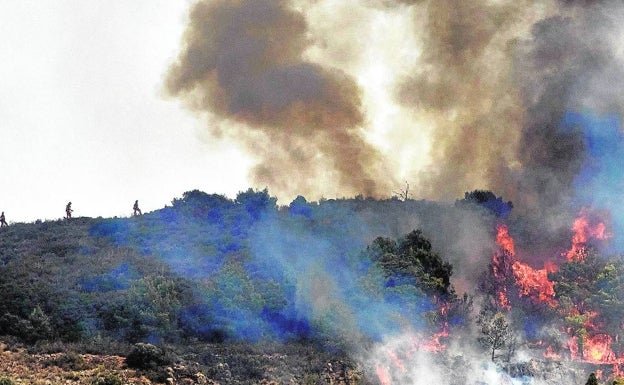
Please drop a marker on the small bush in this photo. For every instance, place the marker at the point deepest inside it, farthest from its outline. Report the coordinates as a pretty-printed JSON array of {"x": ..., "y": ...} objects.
[
  {"x": 146, "y": 356},
  {"x": 6, "y": 381},
  {"x": 68, "y": 362},
  {"x": 108, "y": 379},
  {"x": 311, "y": 379}
]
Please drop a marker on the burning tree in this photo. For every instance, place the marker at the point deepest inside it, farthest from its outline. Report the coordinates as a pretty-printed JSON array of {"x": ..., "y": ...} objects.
[
  {"x": 589, "y": 292},
  {"x": 609, "y": 301},
  {"x": 581, "y": 298},
  {"x": 497, "y": 283}
]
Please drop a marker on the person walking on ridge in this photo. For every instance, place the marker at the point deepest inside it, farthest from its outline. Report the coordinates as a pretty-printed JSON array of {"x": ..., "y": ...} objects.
[
  {"x": 68, "y": 210},
  {"x": 136, "y": 208},
  {"x": 3, "y": 220}
]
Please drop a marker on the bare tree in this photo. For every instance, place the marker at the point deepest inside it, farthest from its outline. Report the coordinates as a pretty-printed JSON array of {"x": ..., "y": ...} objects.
[{"x": 403, "y": 194}]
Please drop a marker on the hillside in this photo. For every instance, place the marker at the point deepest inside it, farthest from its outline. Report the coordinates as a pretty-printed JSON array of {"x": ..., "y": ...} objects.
[{"x": 245, "y": 291}]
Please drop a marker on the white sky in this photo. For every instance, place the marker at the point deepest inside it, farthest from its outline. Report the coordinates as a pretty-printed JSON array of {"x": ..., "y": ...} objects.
[{"x": 82, "y": 118}]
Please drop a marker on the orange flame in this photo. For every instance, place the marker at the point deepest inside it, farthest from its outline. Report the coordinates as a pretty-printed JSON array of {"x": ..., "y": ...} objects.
[
  {"x": 596, "y": 349},
  {"x": 504, "y": 240},
  {"x": 501, "y": 262},
  {"x": 534, "y": 283},
  {"x": 584, "y": 230},
  {"x": 503, "y": 300},
  {"x": 396, "y": 359},
  {"x": 398, "y": 362},
  {"x": 434, "y": 344},
  {"x": 549, "y": 353}
]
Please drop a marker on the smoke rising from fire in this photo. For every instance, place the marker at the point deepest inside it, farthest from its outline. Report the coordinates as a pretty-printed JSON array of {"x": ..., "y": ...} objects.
[
  {"x": 463, "y": 84},
  {"x": 519, "y": 97},
  {"x": 474, "y": 96},
  {"x": 242, "y": 61},
  {"x": 332, "y": 101},
  {"x": 501, "y": 77}
]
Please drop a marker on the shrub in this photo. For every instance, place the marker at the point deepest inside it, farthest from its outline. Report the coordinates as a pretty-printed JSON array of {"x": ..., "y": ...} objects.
[
  {"x": 6, "y": 381},
  {"x": 108, "y": 379},
  {"x": 68, "y": 361},
  {"x": 311, "y": 379},
  {"x": 146, "y": 356}
]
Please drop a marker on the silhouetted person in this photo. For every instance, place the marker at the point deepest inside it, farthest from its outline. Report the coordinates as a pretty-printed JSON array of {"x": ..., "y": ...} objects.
[
  {"x": 3, "y": 220},
  {"x": 136, "y": 208},
  {"x": 68, "y": 210}
]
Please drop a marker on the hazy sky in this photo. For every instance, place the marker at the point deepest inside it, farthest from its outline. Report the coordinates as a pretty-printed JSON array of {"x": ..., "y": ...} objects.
[
  {"x": 82, "y": 116},
  {"x": 106, "y": 102}
]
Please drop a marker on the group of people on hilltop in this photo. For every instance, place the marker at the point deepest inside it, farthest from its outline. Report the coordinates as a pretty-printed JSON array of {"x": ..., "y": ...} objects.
[{"x": 69, "y": 210}]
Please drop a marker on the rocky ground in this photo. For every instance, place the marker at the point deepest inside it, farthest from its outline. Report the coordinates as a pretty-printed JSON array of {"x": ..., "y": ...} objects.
[
  {"x": 202, "y": 364},
  {"x": 245, "y": 364},
  {"x": 61, "y": 368}
]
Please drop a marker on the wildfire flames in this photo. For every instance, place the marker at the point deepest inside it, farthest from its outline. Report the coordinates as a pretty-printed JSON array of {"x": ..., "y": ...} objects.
[
  {"x": 396, "y": 359},
  {"x": 534, "y": 283},
  {"x": 584, "y": 230},
  {"x": 531, "y": 282},
  {"x": 514, "y": 277},
  {"x": 504, "y": 240}
]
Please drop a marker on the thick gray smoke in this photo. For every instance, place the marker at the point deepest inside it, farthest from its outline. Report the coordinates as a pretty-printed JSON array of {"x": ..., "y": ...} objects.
[
  {"x": 242, "y": 61},
  {"x": 465, "y": 80},
  {"x": 488, "y": 85},
  {"x": 481, "y": 88},
  {"x": 501, "y": 77},
  {"x": 568, "y": 65}
]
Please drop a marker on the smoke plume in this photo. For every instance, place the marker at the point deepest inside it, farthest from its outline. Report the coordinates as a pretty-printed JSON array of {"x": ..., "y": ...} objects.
[
  {"x": 343, "y": 98},
  {"x": 570, "y": 66},
  {"x": 498, "y": 80},
  {"x": 243, "y": 61},
  {"x": 464, "y": 85}
]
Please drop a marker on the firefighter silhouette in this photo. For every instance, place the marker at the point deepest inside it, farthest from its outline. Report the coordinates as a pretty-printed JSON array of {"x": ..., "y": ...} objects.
[{"x": 68, "y": 210}]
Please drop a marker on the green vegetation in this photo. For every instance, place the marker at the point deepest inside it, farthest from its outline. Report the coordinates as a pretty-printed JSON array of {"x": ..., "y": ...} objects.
[
  {"x": 412, "y": 259},
  {"x": 146, "y": 356},
  {"x": 108, "y": 379},
  {"x": 213, "y": 269},
  {"x": 496, "y": 332},
  {"x": 210, "y": 270},
  {"x": 487, "y": 200},
  {"x": 70, "y": 361}
]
